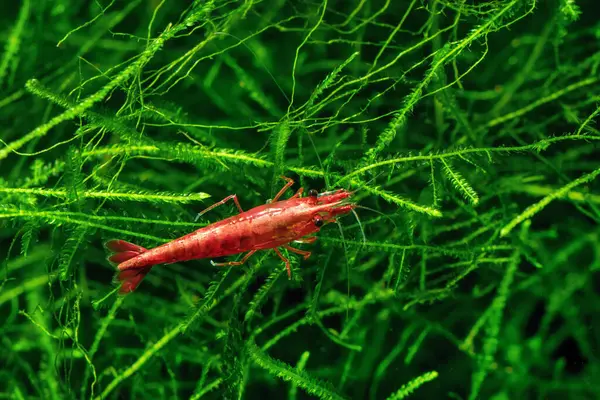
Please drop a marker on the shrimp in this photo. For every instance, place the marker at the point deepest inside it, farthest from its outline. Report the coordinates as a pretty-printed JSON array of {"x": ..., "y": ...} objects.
[{"x": 268, "y": 226}]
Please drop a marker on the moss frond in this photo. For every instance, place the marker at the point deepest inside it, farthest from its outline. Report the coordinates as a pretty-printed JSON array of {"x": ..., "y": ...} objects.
[
  {"x": 13, "y": 43},
  {"x": 460, "y": 183},
  {"x": 298, "y": 377},
  {"x": 537, "y": 207},
  {"x": 407, "y": 389}
]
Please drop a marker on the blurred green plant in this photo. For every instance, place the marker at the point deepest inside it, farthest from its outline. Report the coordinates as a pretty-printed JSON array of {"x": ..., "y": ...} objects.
[{"x": 468, "y": 130}]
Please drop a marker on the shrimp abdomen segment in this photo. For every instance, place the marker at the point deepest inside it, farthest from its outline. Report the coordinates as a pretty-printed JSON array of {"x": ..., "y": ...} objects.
[
  {"x": 204, "y": 243},
  {"x": 262, "y": 228}
]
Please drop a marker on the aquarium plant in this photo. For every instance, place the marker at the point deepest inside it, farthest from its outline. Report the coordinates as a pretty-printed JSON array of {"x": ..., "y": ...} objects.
[{"x": 466, "y": 130}]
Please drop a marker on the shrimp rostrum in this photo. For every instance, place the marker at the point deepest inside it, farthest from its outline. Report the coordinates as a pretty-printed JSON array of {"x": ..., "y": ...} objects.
[{"x": 272, "y": 225}]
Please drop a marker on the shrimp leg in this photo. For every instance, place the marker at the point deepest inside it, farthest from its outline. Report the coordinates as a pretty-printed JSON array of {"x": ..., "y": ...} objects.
[
  {"x": 233, "y": 263},
  {"x": 306, "y": 254},
  {"x": 298, "y": 193},
  {"x": 235, "y": 200},
  {"x": 286, "y": 261},
  {"x": 289, "y": 183}
]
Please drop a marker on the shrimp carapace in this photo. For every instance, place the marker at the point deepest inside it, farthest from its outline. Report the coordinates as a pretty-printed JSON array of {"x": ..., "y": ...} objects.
[{"x": 268, "y": 226}]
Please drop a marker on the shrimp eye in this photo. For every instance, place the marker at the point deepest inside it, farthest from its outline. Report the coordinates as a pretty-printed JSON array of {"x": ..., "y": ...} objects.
[
  {"x": 318, "y": 222},
  {"x": 313, "y": 193}
]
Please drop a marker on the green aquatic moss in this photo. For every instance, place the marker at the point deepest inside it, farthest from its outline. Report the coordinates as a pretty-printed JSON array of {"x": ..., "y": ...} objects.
[{"x": 468, "y": 131}]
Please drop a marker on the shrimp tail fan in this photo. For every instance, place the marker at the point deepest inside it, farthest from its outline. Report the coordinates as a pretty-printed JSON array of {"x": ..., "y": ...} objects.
[{"x": 128, "y": 277}]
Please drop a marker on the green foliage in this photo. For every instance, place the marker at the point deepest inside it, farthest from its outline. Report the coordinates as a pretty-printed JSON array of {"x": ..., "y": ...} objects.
[
  {"x": 414, "y": 384},
  {"x": 467, "y": 131},
  {"x": 286, "y": 373}
]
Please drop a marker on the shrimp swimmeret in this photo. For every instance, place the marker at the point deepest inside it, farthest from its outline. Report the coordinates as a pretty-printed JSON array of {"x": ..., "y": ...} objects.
[{"x": 268, "y": 226}]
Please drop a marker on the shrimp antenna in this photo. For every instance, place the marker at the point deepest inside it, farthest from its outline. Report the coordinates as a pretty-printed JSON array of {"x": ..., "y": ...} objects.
[
  {"x": 361, "y": 187},
  {"x": 258, "y": 59},
  {"x": 368, "y": 182},
  {"x": 360, "y": 226},
  {"x": 347, "y": 268},
  {"x": 282, "y": 92},
  {"x": 319, "y": 159},
  {"x": 378, "y": 212}
]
